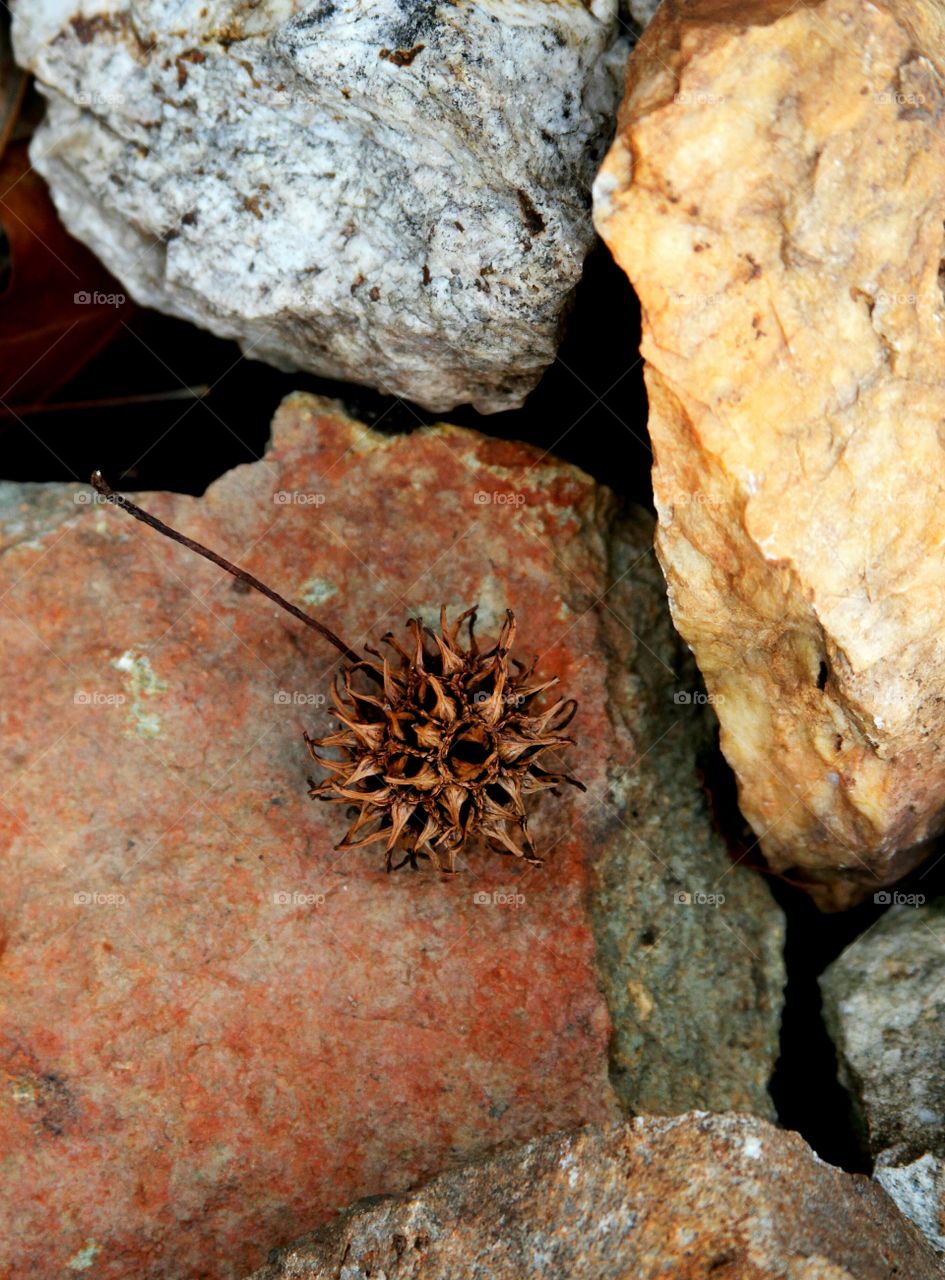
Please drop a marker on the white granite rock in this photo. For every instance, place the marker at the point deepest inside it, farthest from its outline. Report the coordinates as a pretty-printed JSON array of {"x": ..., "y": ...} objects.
[{"x": 393, "y": 191}]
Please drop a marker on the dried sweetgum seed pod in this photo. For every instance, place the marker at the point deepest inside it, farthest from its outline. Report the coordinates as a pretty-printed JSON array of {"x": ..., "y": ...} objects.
[
  {"x": 437, "y": 745},
  {"x": 449, "y": 748}
]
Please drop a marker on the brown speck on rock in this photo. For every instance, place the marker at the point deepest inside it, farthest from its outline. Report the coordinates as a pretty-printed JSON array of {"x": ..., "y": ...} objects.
[
  {"x": 195, "y": 56},
  {"x": 401, "y": 57},
  {"x": 534, "y": 219},
  {"x": 248, "y": 68},
  {"x": 86, "y": 29}
]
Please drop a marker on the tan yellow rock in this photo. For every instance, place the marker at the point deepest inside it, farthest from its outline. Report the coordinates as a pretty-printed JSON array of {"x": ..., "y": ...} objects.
[{"x": 776, "y": 194}]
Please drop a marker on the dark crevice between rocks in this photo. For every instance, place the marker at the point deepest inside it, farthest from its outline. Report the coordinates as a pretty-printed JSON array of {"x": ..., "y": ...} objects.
[
  {"x": 590, "y": 407},
  {"x": 805, "y": 1087}
]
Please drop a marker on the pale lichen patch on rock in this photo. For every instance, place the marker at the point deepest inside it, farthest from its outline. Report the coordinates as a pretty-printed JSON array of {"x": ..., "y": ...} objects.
[{"x": 144, "y": 683}]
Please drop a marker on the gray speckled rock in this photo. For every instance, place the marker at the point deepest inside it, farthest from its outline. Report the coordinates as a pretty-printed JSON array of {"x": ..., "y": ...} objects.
[
  {"x": 698, "y": 1198},
  {"x": 884, "y": 1001},
  {"x": 689, "y": 945},
  {"x": 392, "y": 192}
]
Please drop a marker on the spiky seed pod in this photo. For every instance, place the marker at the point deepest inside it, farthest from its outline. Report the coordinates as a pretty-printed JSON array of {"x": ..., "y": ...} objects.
[
  {"x": 440, "y": 744},
  {"x": 448, "y": 750}
]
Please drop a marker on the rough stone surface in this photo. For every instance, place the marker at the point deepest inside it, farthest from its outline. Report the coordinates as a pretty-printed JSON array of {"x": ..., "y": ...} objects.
[
  {"x": 691, "y": 1197},
  {"x": 216, "y": 1030},
  {"x": 671, "y": 912},
  {"x": 390, "y": 192},
  {"x": 884, "y": 1001},
  {"x": 638, "y": 13},
  {"x": 775, "y": 196}
]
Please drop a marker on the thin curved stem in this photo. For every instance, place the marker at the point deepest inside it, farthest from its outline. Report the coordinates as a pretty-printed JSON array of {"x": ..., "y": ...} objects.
[{"x": 99, "y": 484}]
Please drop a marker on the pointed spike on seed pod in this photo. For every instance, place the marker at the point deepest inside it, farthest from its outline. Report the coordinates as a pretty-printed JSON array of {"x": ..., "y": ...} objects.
[
  {"x": 444, "y": 708},
  {"x": 469, "y": 617},
  {"x": 450, "y": 661},
  {"x": 364, "y": 818},
  {"x": 557, "y": 717},
  {"x": 335, "y": 766},
  {"x": 390, "y": 639},
  {"x": 370, "y": 734},
  {"x": 429, "y": 830},
  {"x": 526, "y": 693},
  {"x": 429, "y": 736},
  {"x": 394, "y": 727},
  {"x": 400, "y": 813},
  {"x": 419, "y": 657},
  {"x": 374, "y": 838},
  {"x": 452, "y": 798},
  {"x": 491, "y": 708},
  {"x": 507, "y": 634},
  {"x": 366, "y": 768},
  {"x": 391, "y": 689}
]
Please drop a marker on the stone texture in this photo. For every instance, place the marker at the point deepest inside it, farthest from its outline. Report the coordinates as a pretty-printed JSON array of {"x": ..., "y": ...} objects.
[
  {"x": 664, "y": 961},
  {"x": 692, "y": 1197},
  {"x": 775, "y": 196},
  {"x": 390, "y": 192},
  {"x": 637, "y": 14},
  {"x": 216, "y": 1030},
  {"x": 884, "y": 1001}
]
